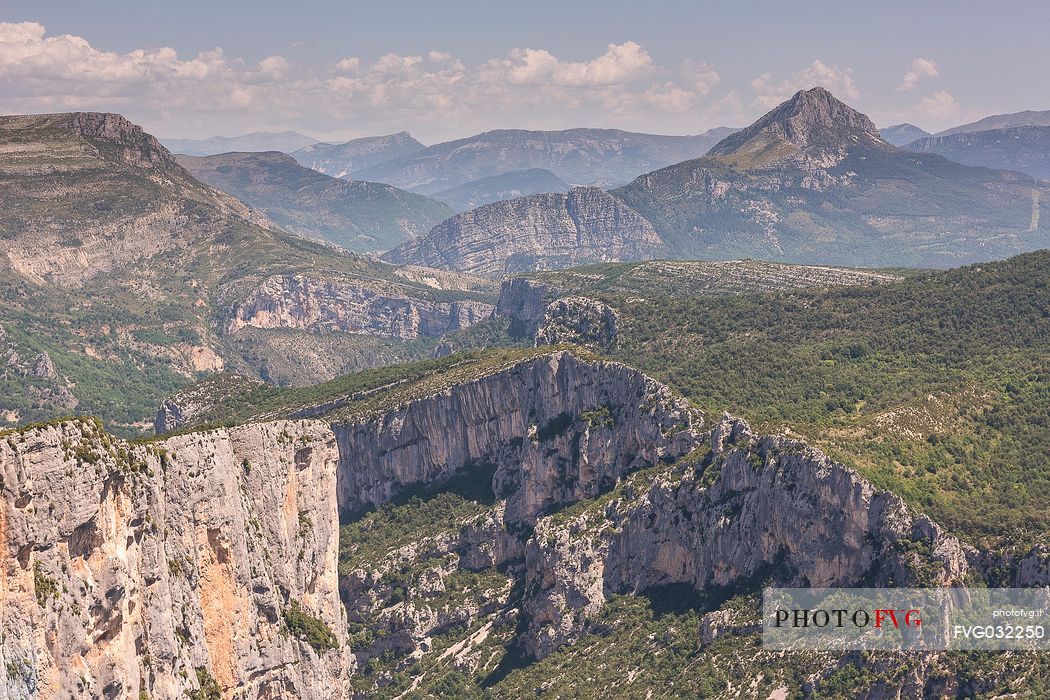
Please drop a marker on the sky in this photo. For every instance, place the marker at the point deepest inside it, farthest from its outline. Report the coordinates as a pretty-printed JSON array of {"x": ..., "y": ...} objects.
[{"x": 444, "y": 70}]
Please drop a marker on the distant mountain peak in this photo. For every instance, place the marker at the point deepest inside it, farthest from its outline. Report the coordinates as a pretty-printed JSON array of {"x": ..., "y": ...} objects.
[
  {"x": 813, "y": 129},
  {"x": 901, "y": 134}
]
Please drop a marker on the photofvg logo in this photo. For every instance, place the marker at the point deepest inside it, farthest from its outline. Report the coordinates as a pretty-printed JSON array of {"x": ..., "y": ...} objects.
[{"x": 920, "y": 619}]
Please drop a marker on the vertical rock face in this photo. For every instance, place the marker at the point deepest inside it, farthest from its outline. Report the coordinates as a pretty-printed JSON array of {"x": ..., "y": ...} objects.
[
  {"x": 542, "y": 231},
  {"x": 126, "y": 568},
  {"x": 771, "y": 507},
  {"x": 556, "y": 429},
  {"x": 524, "y": 302},
  {"x": 207, "y": 558},
  {"x": 296, "y": 301}
]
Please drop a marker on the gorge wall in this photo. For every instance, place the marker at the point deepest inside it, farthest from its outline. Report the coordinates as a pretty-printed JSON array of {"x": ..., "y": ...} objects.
[
  {"x": 212, "y": 558},
  {"x": 318, "y": 305},
  {"x": 161, "y": 568}
]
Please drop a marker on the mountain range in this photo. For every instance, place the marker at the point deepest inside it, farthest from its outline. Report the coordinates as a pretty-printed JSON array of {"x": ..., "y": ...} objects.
[
  {"x": 1002, "y": 121},
  {"x": 345, "y": 159},
  {"x": 511, "y": 514},
  {"x": 285, "y": 141},
  {"x": 495, "y": 188},
  {"x": 811, "y": 181},
  {"x": 122, "y": 277},
  {"x": 1025, "y": 149},
  {"x": 352, "y": 214},
  {"x": 601, "y": 157}
]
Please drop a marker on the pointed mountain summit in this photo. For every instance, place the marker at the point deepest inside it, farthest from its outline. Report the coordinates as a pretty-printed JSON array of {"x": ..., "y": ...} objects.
[
  {"x": 811, "y": 129},
  {"x": 812, "y": 181}
]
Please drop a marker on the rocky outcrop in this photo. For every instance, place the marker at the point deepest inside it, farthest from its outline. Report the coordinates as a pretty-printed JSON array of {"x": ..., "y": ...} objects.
[
  {"x": 538, "y": 232},
  {"x": 319, "y": 305},
  {"x": 578, "y": 320},
  {"x": 196, "y": 404},
  {"x": 555, "y": 429},
  {"x": 811, "y": 131},
  {"x": 138, "y": 147},
  {"x": 524, "y": 302},
  {"x": 755, "y": 507},
  {"x": 149, "y": 570}
]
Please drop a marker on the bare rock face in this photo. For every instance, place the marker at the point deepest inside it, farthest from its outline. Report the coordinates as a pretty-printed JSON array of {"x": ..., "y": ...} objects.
[
  {"x": 297, "y": 301},
  {"x": 578, "y": 320},
  {"x": 42, "y": 367},
  {"x": 812, "y": 130},
  {"x": 772, "y": 506},
  {"x": 538, "y": 232},
  {"x": 139, "y": 148},
  {"x": 556, "y": 429},
  {"x": 124, "y": 569},
  {"x": 524, "y": 302}
]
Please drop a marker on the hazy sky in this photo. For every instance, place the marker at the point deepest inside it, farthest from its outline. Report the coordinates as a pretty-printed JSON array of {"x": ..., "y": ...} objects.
[{"x": 448, "y": 69}]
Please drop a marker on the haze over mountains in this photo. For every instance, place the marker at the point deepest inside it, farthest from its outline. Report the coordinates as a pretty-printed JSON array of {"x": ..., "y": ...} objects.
[
  {"x": 354, "y": 214},
  {"x": 495, "y": 188},
  {"x": 345, "y": 159},
  {"x": 901, "y": 134},
  {"x": 810, "y": 181},
  {"x": 1025, "y": 149},
  {"x": 1002, "y": 121},
  {"x": 286, "y": 141},
  {"x": 601, "y": 157}
]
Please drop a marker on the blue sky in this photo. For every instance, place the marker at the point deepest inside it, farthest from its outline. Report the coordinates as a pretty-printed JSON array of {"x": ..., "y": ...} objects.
[{"x": 449, "y": 69}]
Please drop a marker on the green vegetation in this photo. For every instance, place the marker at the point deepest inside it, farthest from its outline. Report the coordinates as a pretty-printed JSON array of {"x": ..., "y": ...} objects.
[
  {"x": 354, "y": 214},
  {"x": 937, "y": 387},
  {"x": 312, "y": 630},
  {"x": 44, "y": 586},
  {"x": 122, "y": 339},
  {"x": 207, "y": 687},
  {"x": 425, "y": 511}
]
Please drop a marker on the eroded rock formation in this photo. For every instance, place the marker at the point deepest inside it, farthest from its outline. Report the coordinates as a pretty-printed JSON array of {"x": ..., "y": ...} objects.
[
  {"x": 213, "y": 556},
  {"x": 126, "y": 568},
  {"x": 538, "y": 232},
  {"x": 297, "y": 301}
]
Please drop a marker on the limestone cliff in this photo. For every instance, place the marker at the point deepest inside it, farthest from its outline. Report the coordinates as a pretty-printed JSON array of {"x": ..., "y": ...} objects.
[
  {"x": 754, "y": 508},
  {"x": 297, "y": 301},
  {"x": 524, "y": 302},
  {"x": 537, "y": 232},
  {"x": 556, "y": 429},
  {"x": 212, "y": 558},
  {"x": 579, "y": 320},
  {"x": 158, "y": 568}
]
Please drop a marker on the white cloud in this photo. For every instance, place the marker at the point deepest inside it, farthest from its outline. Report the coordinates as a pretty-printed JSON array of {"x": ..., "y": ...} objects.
[
  {"x": 920, "y": 68},
  {"x": 939, "y": 106},
  {"x": 621, "y": 63},
  {"x": 702, "y": 77},
  {"x": 839, "y": 81},
  {"x": 433, "y": 92}
]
